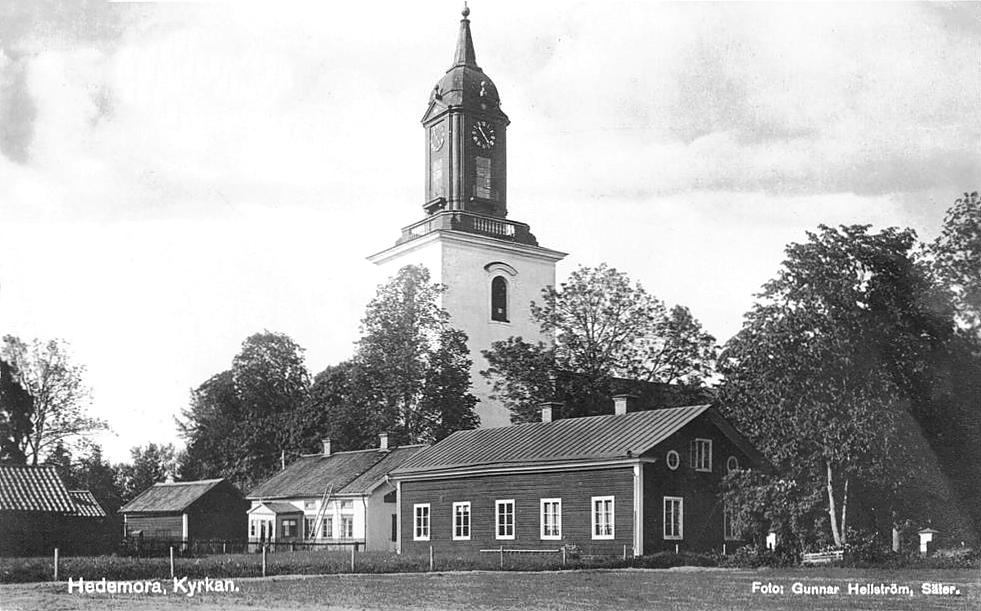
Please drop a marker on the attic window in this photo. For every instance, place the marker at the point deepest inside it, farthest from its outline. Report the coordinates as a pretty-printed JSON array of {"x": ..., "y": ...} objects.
[
  {"x": 673, "y": 460},
  {"x": 732, "y": 464},
  {"x": 701, "y": 454}
]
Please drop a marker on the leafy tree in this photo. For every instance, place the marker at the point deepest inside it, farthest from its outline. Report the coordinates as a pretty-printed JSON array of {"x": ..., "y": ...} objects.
[
  {"x": 46, "y": 372},
  {"x": 240, "y": 421},
  {"x": 829, "y": 358},
  {"x": 16, "y": 409},
  {"x": 92, "y": 472},
  {"x": 956, "y": 259},
  {"x": 151, "y": 464},
  {"x": 606, "y": 329},
  {"x": 410, "y": 376}
]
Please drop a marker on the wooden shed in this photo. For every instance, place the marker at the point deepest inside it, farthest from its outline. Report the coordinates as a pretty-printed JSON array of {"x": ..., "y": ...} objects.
[
  {"x": 187, "y": 511},
  {"x": 639, "y": 482}
]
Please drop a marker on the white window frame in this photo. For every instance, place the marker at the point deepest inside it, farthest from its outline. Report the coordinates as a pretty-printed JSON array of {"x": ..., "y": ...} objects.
[
  {"x": 701, "y": 460},
  {"x": 309, "y": 526},
  {"x": 599, "y": 502},
  {"x": 347, "y": 520},
  {"x": 679, "y": 503},
  {"x": 732, "y": 464},
  {"x": 421, "y": 530},
  {"x": 253, "y": 528},
  {"x": 672, "y": 456},
  {"x": 505, "y": 508},
  {"x": 327, "y": 527},
  {"x": 557, "y": 518},
  {"x": 291, "y": 526},
  {"x": 461, "y": 529}
]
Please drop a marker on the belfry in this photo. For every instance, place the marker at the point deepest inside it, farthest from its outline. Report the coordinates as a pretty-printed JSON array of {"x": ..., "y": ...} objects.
[{"x": 492, "y": 266}]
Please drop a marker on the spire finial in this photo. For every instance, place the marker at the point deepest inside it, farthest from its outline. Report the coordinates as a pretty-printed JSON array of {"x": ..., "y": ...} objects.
[{"x": 466, "y": 10}]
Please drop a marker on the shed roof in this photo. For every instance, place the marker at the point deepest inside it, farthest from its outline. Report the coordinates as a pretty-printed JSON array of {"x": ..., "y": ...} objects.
[
  {"x": 354, "y": 472},
  {"x": 169, "y": 496},
  {"x": 592, "y": 438},
  {"x": 87, "y": 504},
  {"x": 33, "y": 488}
]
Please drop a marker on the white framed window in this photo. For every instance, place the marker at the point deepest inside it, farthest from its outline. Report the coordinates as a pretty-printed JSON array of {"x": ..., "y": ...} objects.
[
  {"x": 504, "y": 512},
  {"x": 310, "y": 504},
  {"x": 309, "y": 525},
  {"x": 347, "y": 527},
  {"x": 732, "y": 464},
  {"x": 290, "y": 527},
  {"x": 551, "y": 519},
  {"x": 729, "y": 524},
  {"x": 252, "y": 528},
  {"x": 672, "y": 460},
  {"x": 602, "y": 517},
  {"x": 701, "y": 454},
  {"x": 674, "y": 517},
  {"x": 420, "y": 531},
  {"x": 461, "y": 521},
  {"x": 327, "y": 524}
]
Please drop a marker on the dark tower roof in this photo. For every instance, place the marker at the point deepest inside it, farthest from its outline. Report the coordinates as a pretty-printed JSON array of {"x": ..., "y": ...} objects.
[{"x": 465, "y": 84}]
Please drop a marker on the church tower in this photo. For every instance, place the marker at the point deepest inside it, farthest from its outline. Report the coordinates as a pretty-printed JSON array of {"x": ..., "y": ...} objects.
[{"x": 493, "y": 267}]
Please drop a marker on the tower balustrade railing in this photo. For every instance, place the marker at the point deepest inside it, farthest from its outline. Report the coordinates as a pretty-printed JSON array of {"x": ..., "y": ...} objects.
[{"x": 469, "y": 222}]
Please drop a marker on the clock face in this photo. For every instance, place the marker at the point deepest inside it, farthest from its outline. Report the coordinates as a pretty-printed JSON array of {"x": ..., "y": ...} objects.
[
  {"x": 437, "y": 136},
  {"x": 483, "y": 134}
]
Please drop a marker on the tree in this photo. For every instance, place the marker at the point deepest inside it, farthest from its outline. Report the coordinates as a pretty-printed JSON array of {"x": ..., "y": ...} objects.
[
  {"x": 54, "y": 383},
  {"x": 605, "y": 328},
  {"x": 151, "y": 464},
  {"x": 410, "y": 377},
  {"x": 241, "y": 421},
  {"x": 92, "y": 472},
  {"x": 830, "y": 358},
  {"x": 956, "y": 259},
  {"x": 16, "y": 409}
]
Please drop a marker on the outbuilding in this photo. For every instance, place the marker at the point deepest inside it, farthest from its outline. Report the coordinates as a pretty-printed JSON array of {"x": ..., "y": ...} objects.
[
  {"x": 633, "y": 482},
  {"x": 211, "y": 509}
]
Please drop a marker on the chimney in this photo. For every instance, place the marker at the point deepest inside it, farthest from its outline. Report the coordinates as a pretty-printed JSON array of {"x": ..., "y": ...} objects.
[
  {"x": 550, "y": 411},
  {"x": 383, "y": 441},
  {"x": 326, "y": 443},
  {"x": 623, "y": 404}
]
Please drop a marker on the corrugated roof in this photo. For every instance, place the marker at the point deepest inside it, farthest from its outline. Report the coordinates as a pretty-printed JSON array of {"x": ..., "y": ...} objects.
[
  {"x": 169, "y": 496},
  {"x": 349, "y": 472},
  {"x": 29, "y": 488},
  {"x": 579, "y": 439},
  {"x": 87, "y": 504}
]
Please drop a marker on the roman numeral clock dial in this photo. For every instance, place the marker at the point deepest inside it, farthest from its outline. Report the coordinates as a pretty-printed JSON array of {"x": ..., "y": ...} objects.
[{"x": 483, "y": 134}]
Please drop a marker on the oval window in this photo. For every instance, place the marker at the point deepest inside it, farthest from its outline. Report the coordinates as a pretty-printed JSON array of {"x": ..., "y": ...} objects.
[
  {"x": 673, "y": 460},
  {"x": 732, "y": 464}
]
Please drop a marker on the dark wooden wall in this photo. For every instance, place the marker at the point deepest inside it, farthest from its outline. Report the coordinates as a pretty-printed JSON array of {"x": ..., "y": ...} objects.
[
  {"x": 575, "y": 488},
  {"x": 162, "y": 526}
]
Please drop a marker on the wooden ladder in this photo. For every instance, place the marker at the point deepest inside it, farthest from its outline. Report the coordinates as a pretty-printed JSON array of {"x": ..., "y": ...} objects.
[{"x": 318, "y": 526}]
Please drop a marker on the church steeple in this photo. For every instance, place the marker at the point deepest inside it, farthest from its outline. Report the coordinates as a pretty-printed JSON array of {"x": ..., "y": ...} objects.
[
  {"x": 465, "y": 55},
  {"x": 466, "y": 145}
]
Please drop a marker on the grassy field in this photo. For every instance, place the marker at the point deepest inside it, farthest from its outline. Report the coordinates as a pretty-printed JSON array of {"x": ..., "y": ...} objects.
[{"x": 676, "y": 589}]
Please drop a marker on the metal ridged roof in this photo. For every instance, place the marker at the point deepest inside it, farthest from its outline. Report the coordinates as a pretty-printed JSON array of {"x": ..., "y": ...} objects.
[
  {"x": 349, "y": 472},
  {"x": 27, "y": 488},
  {"x": 87, "y": 505},
  {"x": 579, "y": 439},
  {"x": 170, "y": 496}
]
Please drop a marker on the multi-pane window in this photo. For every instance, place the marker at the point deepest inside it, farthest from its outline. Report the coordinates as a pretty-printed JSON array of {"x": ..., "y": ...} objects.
[
  {"x": 290, "y": 527},
  {"x": 327, "y": 527},
  {"x": 347, "y": 527},
  {"x": 701, "y": 454},
  {"x": 729, "y": 524},
  {"x": 310, "y": 504},
  {"x": 551, "y": 518},
  {"x": 420, "y": 530},
  {"x": 461, "y": 521},
  {"x": 602, "y": 517},
  {"x": 309, "y": 525},
  {"x": 252, "y": 524},
  {"x": 673, "y": 517},
  {"x": 505, "y": 519}
]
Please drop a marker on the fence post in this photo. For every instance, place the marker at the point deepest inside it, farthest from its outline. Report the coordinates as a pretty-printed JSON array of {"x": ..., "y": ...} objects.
[
  {"x": 56, "y": 565},
  {"x": 171, "y": 561},
  {"x": 353, "y": 547},
  {"x": 676, "y": 548},
  {"x": 625, "y": 553},
  {"x": 224, "y": 547},
  {"x": 563, "y": 556},
  {"x": 502, "y": 556},
  {"x": 431, "y": 559},
  {"x": 263, "y": 560}
]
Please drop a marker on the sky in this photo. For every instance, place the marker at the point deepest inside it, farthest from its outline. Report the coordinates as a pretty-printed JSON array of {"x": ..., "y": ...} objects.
[{"x": 177, "y": 177}]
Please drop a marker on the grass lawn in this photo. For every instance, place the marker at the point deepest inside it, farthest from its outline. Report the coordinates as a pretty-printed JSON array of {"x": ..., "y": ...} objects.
[{"x": 678, "y": 589}]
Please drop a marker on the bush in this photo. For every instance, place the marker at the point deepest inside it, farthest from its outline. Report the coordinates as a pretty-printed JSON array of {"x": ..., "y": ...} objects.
[{"x": 751, "y": 557}]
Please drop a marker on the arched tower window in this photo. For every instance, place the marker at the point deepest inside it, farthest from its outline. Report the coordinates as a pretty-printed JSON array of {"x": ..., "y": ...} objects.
[{"x": 499, "y": 299}]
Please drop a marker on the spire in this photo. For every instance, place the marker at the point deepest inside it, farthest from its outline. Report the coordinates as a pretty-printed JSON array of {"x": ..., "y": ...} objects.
[{"x": 465, "y": 55}]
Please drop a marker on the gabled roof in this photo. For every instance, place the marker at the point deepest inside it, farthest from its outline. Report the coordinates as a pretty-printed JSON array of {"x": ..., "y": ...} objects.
[
  {"x": 589, "y": 439},
  {"x": 353, "y": 472},
  {"x": 87, "y": 504},
  {"x": 169, "y": 496},
  {"x": 29, "y": 488},
  {"x": 277, "y": 507}
]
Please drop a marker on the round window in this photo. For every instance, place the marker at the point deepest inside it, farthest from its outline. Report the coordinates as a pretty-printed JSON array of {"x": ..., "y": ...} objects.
[
  {"x": 673, "y": 460},
  {"x": 732, "y": 464}
]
